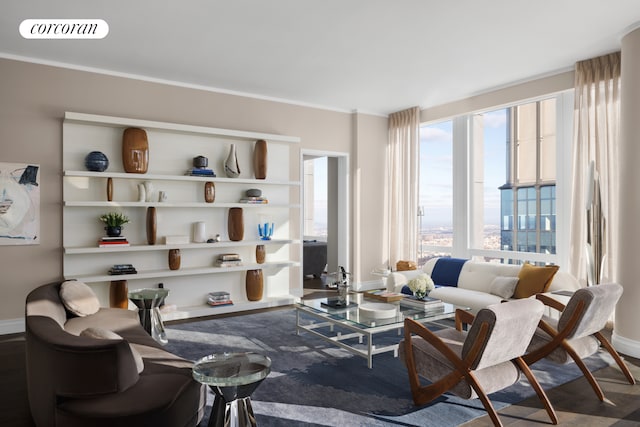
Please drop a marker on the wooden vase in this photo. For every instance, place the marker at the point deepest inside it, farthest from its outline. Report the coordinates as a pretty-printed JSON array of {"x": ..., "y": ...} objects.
[
  {"x": 260, "y": 159},
  {"x": 135, "y": 150},
  {"x": 174, "y": 259},
  {"x": 260, "y": 254},
  {"x": 254, "y": 285},
  {"x": 109, "y": 189},
  {"x": 152, "y": 225},
  {"x": 209, "y": 192},
  {"x": 118, "y": 294},
  {"x": 235, "y": 224}
]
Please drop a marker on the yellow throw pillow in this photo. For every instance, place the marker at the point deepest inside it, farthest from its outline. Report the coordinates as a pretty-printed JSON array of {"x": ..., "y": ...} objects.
[{"x": 534, "y": 280}]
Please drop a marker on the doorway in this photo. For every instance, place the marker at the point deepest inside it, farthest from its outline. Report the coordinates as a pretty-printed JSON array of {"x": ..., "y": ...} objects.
[{"x": 325, "y": 228}]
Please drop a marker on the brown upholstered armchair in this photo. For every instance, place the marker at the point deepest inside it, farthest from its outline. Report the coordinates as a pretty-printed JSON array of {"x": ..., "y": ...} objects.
[
  {"x": 476, "y": 363},
  {"x": 576, "y": 334}
]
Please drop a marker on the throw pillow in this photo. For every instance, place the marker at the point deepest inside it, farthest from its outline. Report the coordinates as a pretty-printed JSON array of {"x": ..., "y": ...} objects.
[
  {"x": 503, "y": 286},
  {"x": 79, "y": 298},
  {"x": 105, "y": 334},
  {"x": 534, "y": 280}
]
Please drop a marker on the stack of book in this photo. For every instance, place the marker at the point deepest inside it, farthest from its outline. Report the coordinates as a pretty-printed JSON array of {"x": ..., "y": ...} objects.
[
  {"x": 254, "y": 200},
  {"x": 108, "y": 242},
  {"x": 426, "y": 303},
  {"x": 200, "y": 172},
  {"x": 122, "y": 269},
  {"x": 228, "y": 260},
  {"x": 216, "y": 299}
]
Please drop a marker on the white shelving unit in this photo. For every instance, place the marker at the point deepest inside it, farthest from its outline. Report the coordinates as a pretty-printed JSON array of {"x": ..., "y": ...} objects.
[{"x": 172, "y": 148}]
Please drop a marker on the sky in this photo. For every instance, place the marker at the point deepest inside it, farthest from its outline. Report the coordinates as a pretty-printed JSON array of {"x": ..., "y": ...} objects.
[{"x": 436, "y": 173}]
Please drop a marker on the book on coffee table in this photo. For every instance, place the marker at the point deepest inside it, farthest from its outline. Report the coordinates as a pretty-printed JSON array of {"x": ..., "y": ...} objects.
[
  {"x": 384, "y": 295},
  {"x": 424, "y": 303}
]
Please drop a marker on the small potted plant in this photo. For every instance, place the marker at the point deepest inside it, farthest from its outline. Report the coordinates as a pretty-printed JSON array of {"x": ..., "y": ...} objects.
[{"x": 114, "y": 222}]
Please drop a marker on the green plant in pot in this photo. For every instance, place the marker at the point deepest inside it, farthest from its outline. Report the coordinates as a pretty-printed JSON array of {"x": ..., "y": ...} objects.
[{"x": 114, "y": 222}]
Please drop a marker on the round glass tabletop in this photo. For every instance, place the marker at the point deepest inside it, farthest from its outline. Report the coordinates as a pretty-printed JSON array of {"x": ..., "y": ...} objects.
[{"x": 231, "y": 369}]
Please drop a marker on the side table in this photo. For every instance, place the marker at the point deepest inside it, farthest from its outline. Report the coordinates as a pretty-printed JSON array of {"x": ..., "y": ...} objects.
[
  {"x": 148, "y": 300},
  {"x": 232, "y": 377}
]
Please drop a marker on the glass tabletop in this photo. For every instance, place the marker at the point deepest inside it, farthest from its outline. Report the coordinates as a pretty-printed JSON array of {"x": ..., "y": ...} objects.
[
  {"x": 148, "y": 293},
  {"x": 231, "y": 369},
  {"x": 369, "y": 313}
]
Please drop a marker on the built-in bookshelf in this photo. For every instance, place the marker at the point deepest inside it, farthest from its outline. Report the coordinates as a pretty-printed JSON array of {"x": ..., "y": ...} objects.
[{"x": 172, "y": 148}]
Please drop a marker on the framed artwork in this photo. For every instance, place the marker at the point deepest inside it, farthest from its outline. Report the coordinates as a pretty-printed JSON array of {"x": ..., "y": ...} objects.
[{"x": 19, "y": 204}]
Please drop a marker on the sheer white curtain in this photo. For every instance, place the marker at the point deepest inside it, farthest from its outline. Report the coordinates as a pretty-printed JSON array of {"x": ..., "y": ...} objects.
[
  {"x": 595, "y": 148},
  {"x": 404, "y": 134}
]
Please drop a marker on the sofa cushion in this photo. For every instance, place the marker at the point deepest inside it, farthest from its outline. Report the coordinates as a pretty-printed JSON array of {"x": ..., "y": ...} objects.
[
  {"x": 473, "y": 300},
  {"x": 446, "y": 271},
  {"x": 105, "y": 334},
  {"x": 120, "y": 320},
  {"x": 79, "y": 298},
  {"x": 503, "y": 286},
  {"x": 534, "y": 280}
]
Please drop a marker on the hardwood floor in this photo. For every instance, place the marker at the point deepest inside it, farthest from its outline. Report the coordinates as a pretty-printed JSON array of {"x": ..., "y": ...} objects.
[{"x": 575, "y": 402}]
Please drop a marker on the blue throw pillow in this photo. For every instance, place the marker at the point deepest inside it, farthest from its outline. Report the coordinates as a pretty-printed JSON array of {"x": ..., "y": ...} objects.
[{"x": 447, "y": 270}]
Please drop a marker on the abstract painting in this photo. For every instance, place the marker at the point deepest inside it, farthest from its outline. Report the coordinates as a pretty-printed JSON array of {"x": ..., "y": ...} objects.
[{"x": 19, "y": 204}]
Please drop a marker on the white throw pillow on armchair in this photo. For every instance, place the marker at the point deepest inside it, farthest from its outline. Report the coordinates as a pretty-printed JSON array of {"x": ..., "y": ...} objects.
[{"x": 79, "y": 298}]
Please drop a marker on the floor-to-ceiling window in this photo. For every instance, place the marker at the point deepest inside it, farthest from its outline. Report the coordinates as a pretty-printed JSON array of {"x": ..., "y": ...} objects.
[{"x": 504, "y": 204}]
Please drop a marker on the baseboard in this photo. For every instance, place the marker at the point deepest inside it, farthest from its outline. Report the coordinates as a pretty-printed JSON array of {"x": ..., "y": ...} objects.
[
  {"x": 625, "y": 345},
  {"x": 11, "y": 326}
]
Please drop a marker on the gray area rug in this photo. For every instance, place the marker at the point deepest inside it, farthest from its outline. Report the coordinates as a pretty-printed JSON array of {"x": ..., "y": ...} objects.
[{"x": 314, "y": 383}]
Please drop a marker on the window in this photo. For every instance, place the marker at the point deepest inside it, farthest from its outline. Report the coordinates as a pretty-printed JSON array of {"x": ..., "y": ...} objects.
[
  {"x": 501, "y": 196},
  {"x": 435, "y": 212}
]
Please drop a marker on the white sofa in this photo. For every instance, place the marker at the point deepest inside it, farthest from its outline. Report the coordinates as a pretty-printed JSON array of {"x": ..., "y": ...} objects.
[{"x": 474, "y": 283}]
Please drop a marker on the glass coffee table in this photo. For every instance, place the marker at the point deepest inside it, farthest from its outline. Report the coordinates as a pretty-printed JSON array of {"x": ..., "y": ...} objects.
[{"x": 361, "y": 323}]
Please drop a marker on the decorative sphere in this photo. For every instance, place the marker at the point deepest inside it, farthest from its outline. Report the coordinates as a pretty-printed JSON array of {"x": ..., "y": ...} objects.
[
  {"x": 254, "y": 192},
  {"x": 96, "y": 161}
]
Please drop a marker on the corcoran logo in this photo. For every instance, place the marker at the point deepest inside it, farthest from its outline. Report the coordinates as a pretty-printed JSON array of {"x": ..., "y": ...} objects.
[{"x": 64, "y": 29}]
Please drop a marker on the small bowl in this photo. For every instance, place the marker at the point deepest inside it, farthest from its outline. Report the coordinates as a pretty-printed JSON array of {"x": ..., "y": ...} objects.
[{"x": 253, "y": 192}]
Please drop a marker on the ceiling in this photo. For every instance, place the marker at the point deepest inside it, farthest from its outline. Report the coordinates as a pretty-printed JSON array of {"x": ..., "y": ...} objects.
[{"x": 373, "y": 56}]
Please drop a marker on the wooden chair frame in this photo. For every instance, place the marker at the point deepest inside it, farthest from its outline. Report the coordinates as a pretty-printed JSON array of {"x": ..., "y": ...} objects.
[
  {"x": 462, "y": 367},
  {"x": 559, "y": 339}
]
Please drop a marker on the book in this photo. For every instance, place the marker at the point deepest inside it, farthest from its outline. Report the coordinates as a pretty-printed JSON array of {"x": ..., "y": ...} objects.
[
  {"x": 219, "y": 303},
  {"x": 254, "y": 200},
  {"x": 113, "y": 239},
  {"x": 229, "y": 257},
  {"x": 384, "y": 295},
  {"x": 113, "y": 245},
  {"x": 218, "y": 297},
  {"x": 117, "y": 272},
  {"x": 412, "y": 301},
  {"x": 234, "y": 263},
  {"x": 201, "y": 172}
]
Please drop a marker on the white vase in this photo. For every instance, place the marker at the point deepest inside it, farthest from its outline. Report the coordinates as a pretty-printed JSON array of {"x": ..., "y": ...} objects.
[
  {"x": 142, "y": 193},
  {"x": 231, "y": 167},
  {"x": 148, "y": 188},
  {"x": 199, "y": 232}
]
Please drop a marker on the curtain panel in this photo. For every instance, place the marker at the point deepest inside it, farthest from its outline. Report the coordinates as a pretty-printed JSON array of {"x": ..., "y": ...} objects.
[
  {"x": 595, "y": 198},
  {"x": 403, "y": 149}
]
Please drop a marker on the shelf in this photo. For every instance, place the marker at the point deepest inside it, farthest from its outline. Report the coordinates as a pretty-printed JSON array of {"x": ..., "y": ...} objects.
[
  {"x": 205, "y": 310},
  {"x": 153, "y": 274},
  {"x": 104, "y": 204},
  {"x": 163, "y": 247},
  {"x": 93, "y": 119},
  {"x": 169, "y": 177}
]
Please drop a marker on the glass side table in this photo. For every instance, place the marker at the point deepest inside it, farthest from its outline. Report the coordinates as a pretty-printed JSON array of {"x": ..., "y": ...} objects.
[
  {"x": 232, "y": 377},
  {"x": 148, "y": 300}
]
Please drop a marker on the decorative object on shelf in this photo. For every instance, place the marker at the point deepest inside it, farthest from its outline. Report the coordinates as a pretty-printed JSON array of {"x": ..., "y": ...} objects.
[
  {"x": 119, "y": 269},
  {"x": 114, "y": 222},
  {"x": 152, "y": 225},
  {"x": 118, "y": 294},
  {"x": 220, "y": 298},
  {"x": 421, "y": 285},
  {"x": 260, "y": 254},
  {"x": 254, "y": 285},
  {"x": 142, "y": 193},
  {"x": 265, "y": 231},
  {"x": 200, "y": 162},
  {"x": 231, "y": 166},
  {"x": 235, "y": 224},
  {"x": 254, "y": 196},
  {"x": 135, "y": 150},
  {"x": 209, "y": 192},
  {"x": 148, "y": 190},
  {"x": 215, "y": 239},
  {"x": 109, "y": 189},
  {"x": 113, "y": 242},
  {"x": 174, "y": 259},
  {"x": 199, "y": 232},
  {"x": 253, "y": 192},
  {"x": 260, "y": 159},
  {"x": 162, "y": 196},
  {"x": 228, "y": 260},
  {"x": 96, "y": 161}
]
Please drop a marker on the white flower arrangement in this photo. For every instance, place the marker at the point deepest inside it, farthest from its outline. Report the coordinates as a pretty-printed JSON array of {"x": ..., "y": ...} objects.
[{"x": 421, "y": 285}]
